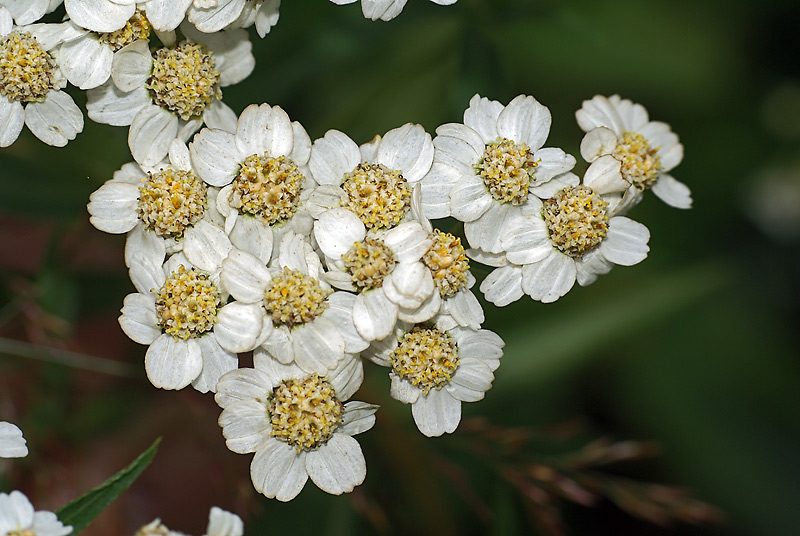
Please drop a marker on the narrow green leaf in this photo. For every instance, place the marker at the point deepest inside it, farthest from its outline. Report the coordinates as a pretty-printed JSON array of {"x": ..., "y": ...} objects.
[{"x": 82, "y": 511}]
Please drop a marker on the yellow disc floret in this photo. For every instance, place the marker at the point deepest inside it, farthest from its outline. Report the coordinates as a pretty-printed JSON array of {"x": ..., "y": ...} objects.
[
  {"x": 268, "y": 188},
  {"x": 448, "y": 263},
  {"x": 170, "y": 201},
  {"x": 186, "y": 306},
  {"x": 576, "y": 219},
  {"x": 295, "y": 298},
  {"x": 378, "y": 195},
  {"x": 507, "y": 169},
  {"x": 641, "y": 164},
  {"x": 304, "y": 413},
  {"x": 184, "y": 80},
  {"x": 427, "y": 357},
  {"x": 27, "y": 71},
  {"x": 368, "y": 262},
  {"x": 138, "y": 27}
]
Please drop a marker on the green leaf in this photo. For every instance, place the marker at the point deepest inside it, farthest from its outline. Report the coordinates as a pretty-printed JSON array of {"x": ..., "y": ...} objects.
[{"x": 82, "y": 511}]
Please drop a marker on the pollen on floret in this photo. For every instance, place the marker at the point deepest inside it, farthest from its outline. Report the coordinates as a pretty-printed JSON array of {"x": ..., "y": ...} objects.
[
  {"x": 368, "y": 262},
  {"x": 27, "y": 71},
  {"x": 448, "y": 263},
  {"x": 294, "y": 298},
  {"x": 641, "y": 164},
  {"x": 304, "y": 412},
  {"x": 379, "y": 196},
  {"x": 137, "y": 27},
  {"x": 187, "y": 304},
  {"x": 507, "y": 169},
  {"x": 170, "y": 201},
  {"x": 576, "y": 219},
  {"x": 427, "y": 357},
  {"x": 184, "y": 80},
  {"x": 268, "y": 188}
]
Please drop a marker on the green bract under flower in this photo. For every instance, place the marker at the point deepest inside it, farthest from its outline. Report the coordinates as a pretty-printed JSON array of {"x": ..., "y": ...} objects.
[
  {"x": 27, "y": 71},
  {"x": 576, "y": 219},
  {"x": 427, "y": 357}
]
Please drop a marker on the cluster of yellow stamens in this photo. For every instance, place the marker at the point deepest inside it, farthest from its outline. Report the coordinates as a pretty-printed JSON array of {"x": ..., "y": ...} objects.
[
  {"x": 577, "y": 220},
  {"x": 368, "y": 262},
  {"x": 295, "y": 298},
  {"x": 27, "y": 71},
  {"x": 448, "y": 263},
  {"x": 184, "y": 80},
  {"x": 268, "y": 188},
  {"x": 304, "y": 413},
  {"x": 186, "y": 306},
  {"x": 170, "y": 201},
  {"x": 378, "y": 195},
  {"x": 641, "y": 164},
  {"x": 427, "y": 357},
  {"x": 507, "y": 169},
  {"x": 138, "y": 27}
]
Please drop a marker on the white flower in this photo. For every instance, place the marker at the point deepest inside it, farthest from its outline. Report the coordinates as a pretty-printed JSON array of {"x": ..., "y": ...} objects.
[
  {"x": 17, "y": 517},
  {"x": 303, "y": 320},
  {"x": 298, "y": 425},
  {"x": 31, "y": 85},
  {"x": 180, "y": 312},
  {"x": 647, "y": 150},
  {"x": 12, "y": 444},
  {"x": 29, "y": 11},
  {"x": 220, "y": 523},
  {"x": 571, "y": 235},
  {"x": 261, "y": 163},
  {"x": 385, "y": 9},
  {"x": 151, "y": 92},
  {"x": 436, "y": 368},
  {"x": 487, "y": 170},
  {"x": 383, "y": 267},
  {"x": 263, "y": 13}
]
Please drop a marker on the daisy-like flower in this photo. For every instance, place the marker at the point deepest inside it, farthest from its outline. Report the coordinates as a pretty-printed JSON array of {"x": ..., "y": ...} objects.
[
  {"x": 170, "y": 92},
  {"x": 31, "y": 85},
  {"x": 180, "y": 313},
  {"x": 436, "y": 368},
  {"x": 571, "y": 235},
  {"x": 29, "y": 11},
  {"x": 385, "y": 9},
  {"x": 17, "y": 517},
  {"x": 376, "y": 181},
  {"x": 261, "y": 163},
  {"x": 384, "y": 268},
  {"x": 220, "y": 523},
  {"x": 487, "y": 170},
  {"x": 311, "y": 325},
  {"x": 12, "y": 444},
  {"x": 164, "y": 209},
  {"x": 646, "y": 150},
  {"x": 299, "y": 425}
]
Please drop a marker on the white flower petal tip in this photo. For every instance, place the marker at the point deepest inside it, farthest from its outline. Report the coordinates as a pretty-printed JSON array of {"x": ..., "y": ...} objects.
[{"x": 12, "y": 444}]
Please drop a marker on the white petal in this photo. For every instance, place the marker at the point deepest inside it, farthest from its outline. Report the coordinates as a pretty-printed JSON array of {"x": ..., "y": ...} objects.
[
  {"x": 552, "y": 162},
  {"x": 107, "y": 104},
  {"x": 113, "y": 207},
  {"x": 99, "y": 15},
  {"x": 604, "y": 176},
  {"x": 374, "y": 315},
  {"x": 472, "y": 374},
  {"x": 151, "y": 132},
  {"x": 424, "y": 312},
  {"x": 172, "y": 363},
  {"x": 216, "y": 362},
  {"x": 254, "y": 236},
  {"x": 337, "y": 230},
  {"x": 358, "y": 418},
  {"x": 215, "y": 156},
  {"x": 435, "y": 189},
  {"x": 248, "y": 384},
  {"x": 278, "y": 470},
  {"x": 347, "y": 377},
  {"x": 549, "y": 189},
  {"x": 56, "y": 120},
  {"x": 279, "y": 346},
  {"x": 626, "y": 242},
  {"x": 12, "y": 444},
  {"x": 590, "y": 266},
  {"x": 332, "y": 156},
  {"x": 598, "y": 142},
  {"x": 245, "y": 276},
  {"x": 139, "y": 320},
  {"x": 245, "y": 425},
  {"x": 403, "y": 390},
  {"x": 219, "y": 115},
  {"x": 527, "y": 241},
  {"x": 145, "y": 247},
  {"x": 485, "y": 232},
  {"x": 469, "y": 198},
  {"x": 408, "y": 241},
  {"x": 465, "y": 309},
  {"x": 216, "y": 18},
  {"x": 549, "y": 279},
  {"x": 238, "y": 326},
  {"x": 132, "y": 65},
  {"x": 86, "y": 62},
  {"x": 338, "y": 466},
  {"x": 166, "y": 15},
  {"x": 408, "y": 285},
  {"x": 318, "y": 346},
  {"x": 672, "y": 192},
  {"x": 503, "y": 285},
  {"x": 252, "y": 129},
  {"x": 436, "y": 413},
  {"x": 222, "y": 523},
  {"x": 525, "y": 120},
  {"x": 206, "y": 245},
  {"x": 482, "y": 345},
  {"x": 408, "y": 149},
  {"x": 340, "y": 312},
  {"x": 12, "y": 117},
  {"x": 481, "y": 116}
]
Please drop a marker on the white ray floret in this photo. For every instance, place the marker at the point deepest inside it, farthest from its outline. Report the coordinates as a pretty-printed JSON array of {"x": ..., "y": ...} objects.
[
  {"x": 18, "y": 517},
  {"x": 220, "y": 523},
  {"x": 12, "y": 444},
  {"x": 29, "y": 11},
  {"x": 385, "y": 9},
  {"x": 263, "y": 14},
  {"x": 299, "y": 425}
]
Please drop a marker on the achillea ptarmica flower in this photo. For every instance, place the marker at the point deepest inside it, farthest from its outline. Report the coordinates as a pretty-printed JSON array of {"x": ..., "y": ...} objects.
[
  {"x": 490, "y": 168},
  {"x": 384, "y": 268},
  {"x": 29, "y": 11},
  {"x": 31, "y": 85},
  {"x": 646, "y": 150},
  {"x": 12, "y": 444},
  {"x": 220, "y": 523},
  {"x": 303, "y": 320},
  {"x": 180, "y": 313},
  {"x": 571, "y": 235},
  {"x": 170, "y": 92},
  {"x": 385, "y": 9},
  {"x": 17, "y": 517},
  {"x": 261, "y": 165},
  {"x": 299, "y": 425},
  {"x": 435, "y": 369}
]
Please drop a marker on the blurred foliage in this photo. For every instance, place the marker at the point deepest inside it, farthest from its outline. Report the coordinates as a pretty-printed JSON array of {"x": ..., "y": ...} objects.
[{"x": 694, "y": 349}]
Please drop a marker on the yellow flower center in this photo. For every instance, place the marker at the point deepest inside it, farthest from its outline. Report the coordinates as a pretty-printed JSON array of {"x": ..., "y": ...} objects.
[
  {"x": 186, "y": 306},
  {"x": 427, "y": 357},
  {"x": 368, "y": 262},
  {"x": 170, "y": 201},
  {"x": 577, "y": 220},
  {"x": 138, "y": 27},
  {"x": 295, "y": 298},
  {"x": 448, "y": 263},
  {"x": 507, "y": 169},
  {"x": 268, "y": 188},
  {"x": 378, "y": 195},
  {"x": 641, "y": 164},
  {"x": 304, "y": 413},
  {"x": 27, "y": 71}
]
